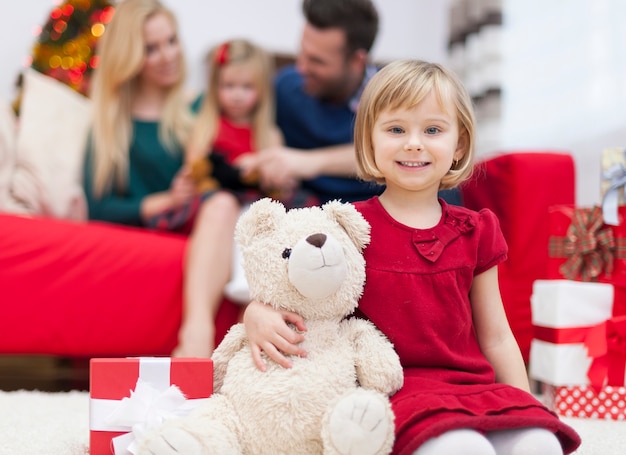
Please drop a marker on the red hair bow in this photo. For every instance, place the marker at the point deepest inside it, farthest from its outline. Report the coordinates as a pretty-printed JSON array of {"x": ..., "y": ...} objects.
[{"x": 221, "y": 55}]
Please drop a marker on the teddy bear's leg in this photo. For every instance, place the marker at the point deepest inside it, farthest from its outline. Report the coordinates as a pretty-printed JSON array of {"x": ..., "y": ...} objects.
[
  {"x": 360, "y": 422},
  {"x": 211, "y": 429}
]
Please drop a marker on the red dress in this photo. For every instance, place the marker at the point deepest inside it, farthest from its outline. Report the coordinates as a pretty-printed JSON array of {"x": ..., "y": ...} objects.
[
  {"x": 232, "y": 140},
  {"x": 417, "y": 293}
]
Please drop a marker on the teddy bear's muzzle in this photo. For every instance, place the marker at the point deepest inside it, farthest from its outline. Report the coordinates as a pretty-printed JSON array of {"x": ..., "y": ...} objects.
[{"x": 317, "y": 266}]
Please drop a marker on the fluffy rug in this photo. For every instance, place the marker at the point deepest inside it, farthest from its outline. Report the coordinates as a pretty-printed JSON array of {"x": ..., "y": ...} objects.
[
  {"x": 39, "y": 423},
  {"x": 44, "y": 423}
]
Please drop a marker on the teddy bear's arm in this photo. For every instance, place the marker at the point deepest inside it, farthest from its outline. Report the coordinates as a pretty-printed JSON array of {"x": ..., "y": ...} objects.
[
  {"x": 233, "y": 341},
  {"x": 378, "y": 366}
]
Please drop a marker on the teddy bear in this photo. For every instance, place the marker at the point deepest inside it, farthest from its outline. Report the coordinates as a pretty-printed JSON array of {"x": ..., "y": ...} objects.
[
  {"x": 335, "y": 400},
  {"x": 201, "y": 173}
]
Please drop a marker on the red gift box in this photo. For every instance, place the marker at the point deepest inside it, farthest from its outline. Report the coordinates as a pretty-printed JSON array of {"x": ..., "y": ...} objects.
[
  {"x": 583, "y": 248},
  {"x": 121, "y": 389},
  {"x": 606, "y": 344},
  {"x": 585, "y": 402}
]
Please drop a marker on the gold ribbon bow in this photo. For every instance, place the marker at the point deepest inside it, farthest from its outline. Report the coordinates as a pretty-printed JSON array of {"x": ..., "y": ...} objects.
[{"x": 588, "y": 245}]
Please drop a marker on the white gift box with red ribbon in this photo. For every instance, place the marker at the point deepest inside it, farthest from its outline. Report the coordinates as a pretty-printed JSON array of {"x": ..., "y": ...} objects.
[
  {"x": 563, "y": 311},
  {"x": 129, "y": 396}
]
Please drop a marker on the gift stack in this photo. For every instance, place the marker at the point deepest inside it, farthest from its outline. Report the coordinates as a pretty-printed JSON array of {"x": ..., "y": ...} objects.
[
  {"x": 578, "y": 351},
  {"x": 129, "y": 396}
]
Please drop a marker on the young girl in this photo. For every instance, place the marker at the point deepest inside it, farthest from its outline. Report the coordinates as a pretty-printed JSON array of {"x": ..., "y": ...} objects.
[
  {"x": 236, "y": 119},
  {"x": 432, "y": 283}
]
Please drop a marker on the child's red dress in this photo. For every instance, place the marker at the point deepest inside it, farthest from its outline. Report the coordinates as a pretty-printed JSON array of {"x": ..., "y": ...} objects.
[{"x": 417, "y": 293}]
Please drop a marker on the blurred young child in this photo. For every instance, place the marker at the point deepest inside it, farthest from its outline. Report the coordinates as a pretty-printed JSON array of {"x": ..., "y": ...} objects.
[{"x": 236, "y": 119}]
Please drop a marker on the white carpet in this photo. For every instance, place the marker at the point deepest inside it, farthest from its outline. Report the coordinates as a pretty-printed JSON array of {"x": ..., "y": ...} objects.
[
  {"x": 44, "y": 423},
  {"x": 38, "y": 423}
]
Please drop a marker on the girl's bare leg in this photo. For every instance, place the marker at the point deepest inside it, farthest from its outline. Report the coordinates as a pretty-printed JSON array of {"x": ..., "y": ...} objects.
[{"x": 207, "y": 270}]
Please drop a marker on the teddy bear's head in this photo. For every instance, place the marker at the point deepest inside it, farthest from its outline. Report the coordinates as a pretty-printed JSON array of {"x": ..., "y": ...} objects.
[
  {"x": 200, "y": 172},
  {"x": 307, "y": 260}
]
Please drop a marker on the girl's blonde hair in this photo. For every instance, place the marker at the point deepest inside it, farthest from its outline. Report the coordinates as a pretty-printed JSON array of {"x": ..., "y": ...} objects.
[
  {"x": 235, "y": 52},
  {"x": 121, "y": 52},
  {"x": 404, "y": 84}
]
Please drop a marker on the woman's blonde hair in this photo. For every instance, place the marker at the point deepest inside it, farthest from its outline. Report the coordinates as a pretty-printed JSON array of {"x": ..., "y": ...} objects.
[
  {"x": 121, "y": 52},
  {"x": 235, "y": 52},
  {"x": 404, "y": 84}
]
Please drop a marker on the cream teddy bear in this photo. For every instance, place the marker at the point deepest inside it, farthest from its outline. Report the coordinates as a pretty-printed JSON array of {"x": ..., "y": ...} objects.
[{"x": 333, "y": 401}]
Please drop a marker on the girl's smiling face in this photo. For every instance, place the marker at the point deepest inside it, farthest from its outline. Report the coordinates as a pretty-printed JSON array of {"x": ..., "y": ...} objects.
[{"x": 415, "y": 148}]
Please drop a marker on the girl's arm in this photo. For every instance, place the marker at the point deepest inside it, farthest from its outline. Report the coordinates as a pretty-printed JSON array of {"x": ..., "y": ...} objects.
[
  {"x": 267, "y": 331},
  {"x": 493, "y": 332}
]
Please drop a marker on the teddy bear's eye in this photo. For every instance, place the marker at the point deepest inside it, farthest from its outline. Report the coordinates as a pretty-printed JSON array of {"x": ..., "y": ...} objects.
[{"x": 286, "y": 253}]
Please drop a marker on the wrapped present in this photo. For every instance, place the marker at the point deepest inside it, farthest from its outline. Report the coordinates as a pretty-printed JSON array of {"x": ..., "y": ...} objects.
[
  {"x": 606, "y": 345},
  {"x": 584, "y": 402},
  {"x": 613, "y": 179},
  {"x": 563, "y": 312},
  {"x": 583, "y": 248},
  {"x": 131, "y": 395}
]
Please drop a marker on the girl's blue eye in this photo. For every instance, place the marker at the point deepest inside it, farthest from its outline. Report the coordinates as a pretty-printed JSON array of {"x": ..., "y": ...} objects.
[
  {"x": 396, "y": 130},
  {"x": 432, "y": 130}
]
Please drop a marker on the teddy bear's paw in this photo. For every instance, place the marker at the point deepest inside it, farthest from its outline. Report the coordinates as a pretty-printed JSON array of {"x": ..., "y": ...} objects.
[
  {"x": 171, "y": 441},
  {"x": 362, "y": 423}
]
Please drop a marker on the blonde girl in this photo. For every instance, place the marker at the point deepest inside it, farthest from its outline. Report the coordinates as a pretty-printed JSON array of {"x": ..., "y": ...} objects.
[
  {"x": 236, "y": 120},
  {"x": 432, "y": 279},
  {"x": 238, "y": 95},
  {"x": 134, "y": 163}
]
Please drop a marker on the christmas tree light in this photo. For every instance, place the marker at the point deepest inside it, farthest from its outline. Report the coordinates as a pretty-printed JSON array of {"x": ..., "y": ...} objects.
[{"x": 66, "y": 43}]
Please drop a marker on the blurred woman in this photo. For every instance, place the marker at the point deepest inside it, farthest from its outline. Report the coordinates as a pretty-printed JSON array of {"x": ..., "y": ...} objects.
[{"x": 134, "y": 167}]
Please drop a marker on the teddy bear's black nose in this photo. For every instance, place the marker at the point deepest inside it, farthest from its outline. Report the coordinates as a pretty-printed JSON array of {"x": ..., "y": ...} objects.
[{"x": 317, "y": 240}]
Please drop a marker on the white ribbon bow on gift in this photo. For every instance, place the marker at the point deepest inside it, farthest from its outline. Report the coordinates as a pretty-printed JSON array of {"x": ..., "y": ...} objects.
[{"x": 145, "y": 409}]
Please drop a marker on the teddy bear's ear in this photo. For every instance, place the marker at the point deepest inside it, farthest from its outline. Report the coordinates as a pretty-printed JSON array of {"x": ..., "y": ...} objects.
[
  {"x": 351, "y": 220},
  {"x": 261, "y": 218}
]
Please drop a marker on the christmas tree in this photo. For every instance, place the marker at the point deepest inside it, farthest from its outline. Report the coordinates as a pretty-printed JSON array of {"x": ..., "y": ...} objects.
[{"x": 65, "y": 46}]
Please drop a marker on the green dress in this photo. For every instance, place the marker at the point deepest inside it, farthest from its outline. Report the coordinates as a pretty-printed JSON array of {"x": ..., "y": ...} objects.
[{"x": 151, "y": 169}]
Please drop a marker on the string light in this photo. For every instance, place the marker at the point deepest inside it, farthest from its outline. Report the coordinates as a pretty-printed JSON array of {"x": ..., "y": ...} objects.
[{"x": 66, "y": 43}]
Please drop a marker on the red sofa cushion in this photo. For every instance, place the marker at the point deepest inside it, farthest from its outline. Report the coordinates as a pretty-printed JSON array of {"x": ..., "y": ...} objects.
[
  {"x": 519, "y": 187},
  {"x": 91, "y": 289}
]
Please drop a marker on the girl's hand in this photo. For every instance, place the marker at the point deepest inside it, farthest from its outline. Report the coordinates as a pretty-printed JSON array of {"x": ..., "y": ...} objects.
[
  {"x": 247, "y": 163},
  {"x": 268, "y": 331}
]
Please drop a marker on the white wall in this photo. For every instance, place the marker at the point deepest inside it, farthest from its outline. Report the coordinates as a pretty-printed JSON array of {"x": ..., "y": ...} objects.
[
  {"x": 409, "y": 28},
  {"x": 564, "y": 81}
]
